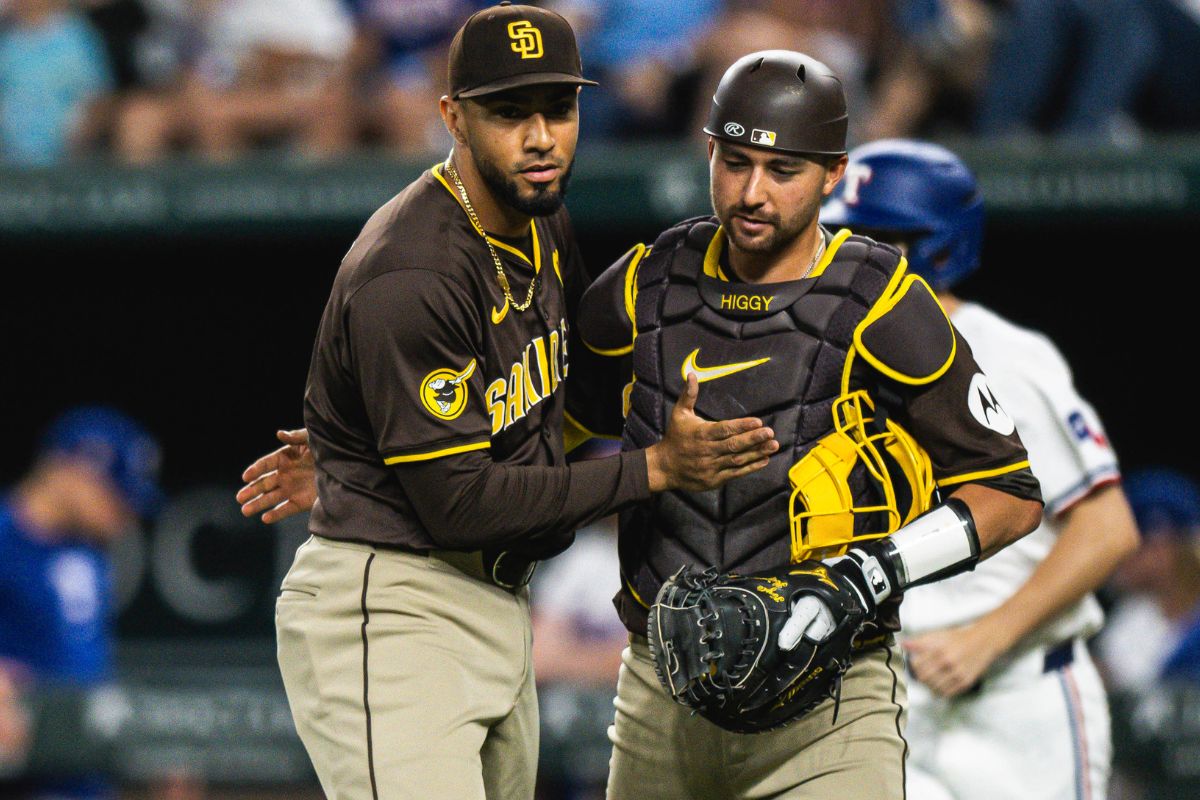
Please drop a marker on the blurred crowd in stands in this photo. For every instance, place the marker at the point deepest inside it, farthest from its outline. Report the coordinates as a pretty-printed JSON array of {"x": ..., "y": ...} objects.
[{"x": 142, "y": 80}]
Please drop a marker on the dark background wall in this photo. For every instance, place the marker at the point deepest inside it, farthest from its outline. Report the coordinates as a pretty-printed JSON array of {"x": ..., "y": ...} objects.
[{"x": 208, "y": 338}]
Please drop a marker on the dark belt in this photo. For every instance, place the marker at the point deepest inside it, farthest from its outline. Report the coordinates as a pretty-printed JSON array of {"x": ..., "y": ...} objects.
[
  {"x": 505, "y": 569},
  {"x": 1059, "y": 656}
]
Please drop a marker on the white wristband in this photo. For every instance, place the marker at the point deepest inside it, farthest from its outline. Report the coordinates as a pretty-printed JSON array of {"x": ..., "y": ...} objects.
[{"x": 935, "y": 545}]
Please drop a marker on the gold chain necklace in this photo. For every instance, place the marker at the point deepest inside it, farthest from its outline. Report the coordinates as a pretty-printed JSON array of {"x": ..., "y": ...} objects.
[{"x": 462, "y": 190}]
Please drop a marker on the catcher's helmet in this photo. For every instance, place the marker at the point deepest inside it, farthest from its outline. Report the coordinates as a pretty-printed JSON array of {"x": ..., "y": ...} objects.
[
  {"x": 921, "y": 191},
  {"x": 780, "y": 100}
]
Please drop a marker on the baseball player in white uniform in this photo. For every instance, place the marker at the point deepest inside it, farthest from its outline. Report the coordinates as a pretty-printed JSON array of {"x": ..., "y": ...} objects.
[{"x": 1005, "y": 701}]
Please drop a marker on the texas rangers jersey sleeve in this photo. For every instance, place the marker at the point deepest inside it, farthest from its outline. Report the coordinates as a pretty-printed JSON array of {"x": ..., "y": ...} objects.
[{"x": 1068, "y": 452}]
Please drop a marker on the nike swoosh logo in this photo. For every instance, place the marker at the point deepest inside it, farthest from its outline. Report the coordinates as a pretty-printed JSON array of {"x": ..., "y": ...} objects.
[
  {"x": 712, "y": 373},
  {"x": 498, "y": 316}
]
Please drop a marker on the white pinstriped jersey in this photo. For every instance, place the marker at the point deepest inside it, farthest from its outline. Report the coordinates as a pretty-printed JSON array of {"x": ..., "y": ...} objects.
[{"x": 1069, "y": 454}]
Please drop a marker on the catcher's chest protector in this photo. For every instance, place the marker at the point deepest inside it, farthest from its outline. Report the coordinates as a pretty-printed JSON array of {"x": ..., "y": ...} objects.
[{"x": 774, "y": 351}]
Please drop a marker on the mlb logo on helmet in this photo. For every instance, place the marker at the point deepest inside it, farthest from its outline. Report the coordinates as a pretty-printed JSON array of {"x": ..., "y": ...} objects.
[{"x": 762, "y": 137}]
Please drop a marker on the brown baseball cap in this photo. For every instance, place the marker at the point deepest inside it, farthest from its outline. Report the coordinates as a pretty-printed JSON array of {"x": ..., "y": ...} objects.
[{"x": 506, "y": 46}]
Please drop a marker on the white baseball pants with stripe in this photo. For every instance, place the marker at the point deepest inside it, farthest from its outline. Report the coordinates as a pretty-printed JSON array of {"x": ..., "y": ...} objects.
[{"x": 1027, "y": 733}]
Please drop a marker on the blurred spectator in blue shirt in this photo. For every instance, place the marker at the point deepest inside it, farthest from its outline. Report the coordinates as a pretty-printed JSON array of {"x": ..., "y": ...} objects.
[
  {"x": 227, "y": 76},
  {"x": 53, "y": 70},
  {"x": 385, "y": 91},
  {"x": 97, "y": 470},
  {"x": 929, "y": 74},
  {"x": 1159, "y": 605},
  {"x": 1170, "y": 96},
  {"x": 1068, "y": 67},
  {"x": 639, "y": 50}
]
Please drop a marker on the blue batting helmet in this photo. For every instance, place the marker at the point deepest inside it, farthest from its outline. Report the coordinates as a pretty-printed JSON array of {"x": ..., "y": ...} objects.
[
  {"x": 1164, "y": 500},
  {"x": 921, "y": 192},
  {"x": 115, "y": 444}
]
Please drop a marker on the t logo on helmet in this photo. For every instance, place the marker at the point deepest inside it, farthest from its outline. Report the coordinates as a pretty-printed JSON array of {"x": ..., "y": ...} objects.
[
  {"x": 527, "y": 40},
  {"x": 856, "y": 176}
]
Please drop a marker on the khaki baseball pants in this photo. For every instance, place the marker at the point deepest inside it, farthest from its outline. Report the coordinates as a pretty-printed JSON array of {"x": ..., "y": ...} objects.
[
  {"x": 662, "y": 752},
  {"x": 407, "y": 678}
]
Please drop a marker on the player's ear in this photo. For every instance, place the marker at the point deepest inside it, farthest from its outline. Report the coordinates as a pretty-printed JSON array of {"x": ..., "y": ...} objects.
[
  {"x": 834, "y": 172},
  {"x": 453, "y": 118}
]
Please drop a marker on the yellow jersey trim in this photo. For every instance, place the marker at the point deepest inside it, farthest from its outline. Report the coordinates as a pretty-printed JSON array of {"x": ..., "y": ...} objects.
[
  {"x": 987, "y": 473},
  {"x": 449, "y": 451},
  {"x": 881, "y": 310},
  {"x": 712, "y": 256},
  {"x": 837, "y": 241},
  {"x": 436, "y": 170},
  {"x": 590, "y": 434},
  {"x": 631, "y": 279},
  {"x": 639, "y": 251},
  {"x": 613, "y": 353},
  {"x": 636, "y": 596}
]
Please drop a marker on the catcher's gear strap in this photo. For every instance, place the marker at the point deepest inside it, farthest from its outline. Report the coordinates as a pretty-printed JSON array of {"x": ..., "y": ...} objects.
[
  {"x": 907, "y": 336},
  {"x": 936, "y": 545}
]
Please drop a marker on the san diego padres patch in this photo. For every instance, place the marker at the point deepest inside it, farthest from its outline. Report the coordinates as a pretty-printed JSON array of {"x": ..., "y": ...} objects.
[{"x": 444, "y": 391}]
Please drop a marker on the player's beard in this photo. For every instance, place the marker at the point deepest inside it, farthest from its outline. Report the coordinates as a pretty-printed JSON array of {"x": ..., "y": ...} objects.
[
  {"x": 544, "y": 200},
  {"x": 779, "y": 236}
]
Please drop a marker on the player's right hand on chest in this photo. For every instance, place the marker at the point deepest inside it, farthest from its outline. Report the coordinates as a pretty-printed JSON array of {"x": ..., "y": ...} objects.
[{"x": 696, "y": 455}]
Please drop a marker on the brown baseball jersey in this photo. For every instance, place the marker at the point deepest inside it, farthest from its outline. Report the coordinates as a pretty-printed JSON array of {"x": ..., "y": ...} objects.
[{"x": 425, "y": 383}]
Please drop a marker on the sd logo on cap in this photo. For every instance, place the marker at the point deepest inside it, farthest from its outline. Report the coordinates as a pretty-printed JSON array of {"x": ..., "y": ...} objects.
[{"x": 507, "y": 46}]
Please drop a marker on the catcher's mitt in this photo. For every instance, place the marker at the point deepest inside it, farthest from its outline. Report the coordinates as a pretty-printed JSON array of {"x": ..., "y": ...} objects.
[{"x": 714, "y": 641}]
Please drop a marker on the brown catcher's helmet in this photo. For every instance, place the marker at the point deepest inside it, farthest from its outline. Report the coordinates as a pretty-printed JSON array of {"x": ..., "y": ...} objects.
[{"x": 780, "y": 100}]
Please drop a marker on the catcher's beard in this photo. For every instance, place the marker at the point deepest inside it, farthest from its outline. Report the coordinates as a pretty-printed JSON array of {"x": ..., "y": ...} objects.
[
  {"x": 542, "y": 203},
  {"x": 784, "y": 231}
]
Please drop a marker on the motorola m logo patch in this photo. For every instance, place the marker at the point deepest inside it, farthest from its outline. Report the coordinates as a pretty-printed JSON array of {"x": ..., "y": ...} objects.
[
  {"x": 733, "y": 129},
  {"x": 986, "y": 409}
]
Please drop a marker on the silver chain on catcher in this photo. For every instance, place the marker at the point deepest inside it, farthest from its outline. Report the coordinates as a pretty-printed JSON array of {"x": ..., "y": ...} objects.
[
  {"x": 817, "y": 255},
  {"x": 462, "y": 191}
]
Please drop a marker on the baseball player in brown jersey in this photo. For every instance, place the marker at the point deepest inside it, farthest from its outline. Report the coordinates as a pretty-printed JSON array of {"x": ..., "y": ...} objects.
[
  {"x": 896, "y": 467},
  {"x": 434, "y": 407}
]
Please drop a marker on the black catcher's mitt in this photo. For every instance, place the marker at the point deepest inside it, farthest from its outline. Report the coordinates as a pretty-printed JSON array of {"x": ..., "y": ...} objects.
[{"x": 714, "y": 640}]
